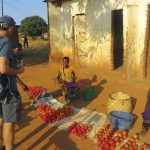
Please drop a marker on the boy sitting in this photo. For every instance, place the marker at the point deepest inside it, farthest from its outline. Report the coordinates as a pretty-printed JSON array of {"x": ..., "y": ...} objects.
[{"x": 66, "y": 77}]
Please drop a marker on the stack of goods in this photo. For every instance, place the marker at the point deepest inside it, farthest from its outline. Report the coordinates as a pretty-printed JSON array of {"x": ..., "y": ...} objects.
[
  {"x": 37, "y": 92},
  {"x": 104, "y": 138},
  {"x": 131, "y": 143},
  {"x": 51, "y": 115},
  {"x": 119, "y": 137},
  {"x": 144, "y": 146},
  {"x": 109, "y": 139},
  {"x": 119, "y": 109},
  {"x": 79, "y": 130}
]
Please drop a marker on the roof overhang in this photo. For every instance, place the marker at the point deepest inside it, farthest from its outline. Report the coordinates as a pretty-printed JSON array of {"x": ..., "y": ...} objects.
[{"x": 56, "y": 2}]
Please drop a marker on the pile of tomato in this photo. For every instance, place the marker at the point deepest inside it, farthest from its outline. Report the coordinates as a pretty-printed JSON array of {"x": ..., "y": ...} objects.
[
  {"x": 104, "y": 138},
  {"x": 145, "y": 146},
  {"x": 131, "y": 144},
  {"x": 36, "y": 92},
  {"x": 109, "y": 139},
  {"x": 51, "y": 115},
  {"x": 79, "y": 129}
]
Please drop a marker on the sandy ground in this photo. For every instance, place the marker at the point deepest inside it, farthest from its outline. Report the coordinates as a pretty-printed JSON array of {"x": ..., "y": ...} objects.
[{"x": 32, "y": 134}]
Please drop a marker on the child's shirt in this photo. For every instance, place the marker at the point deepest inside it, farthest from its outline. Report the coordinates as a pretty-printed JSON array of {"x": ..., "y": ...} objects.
[{"x": 66, "y": 74}]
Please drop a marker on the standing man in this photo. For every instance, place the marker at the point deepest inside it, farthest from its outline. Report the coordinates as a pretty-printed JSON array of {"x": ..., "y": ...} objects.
[
  {"x": 10, "y": 100},
  {"x": 25, "y": 43}
]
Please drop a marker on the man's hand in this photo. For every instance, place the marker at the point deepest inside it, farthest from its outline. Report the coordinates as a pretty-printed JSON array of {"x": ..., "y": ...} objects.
[
  {"x": 21, "y": 70},
  {"x": 25, "y": 88},
  {"x": 5, "y": 68}
]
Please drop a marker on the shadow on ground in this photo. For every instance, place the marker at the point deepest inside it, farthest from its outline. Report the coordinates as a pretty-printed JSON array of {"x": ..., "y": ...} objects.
[
  {"x": 61, "y": 141},
  {"x": 25, "y": 119},
  {"x": 80, "y": 102},
  {"x": 33, "y": 133},
  {"x": 35, "y": 55},
  {"x": 133, "y": 102}
]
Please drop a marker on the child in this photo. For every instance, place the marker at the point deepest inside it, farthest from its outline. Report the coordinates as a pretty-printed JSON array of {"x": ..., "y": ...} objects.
[
  {"x": 66, "y": 72},
  {"x": 17, "y": 52},
  {"x": 66, "y": 77}
]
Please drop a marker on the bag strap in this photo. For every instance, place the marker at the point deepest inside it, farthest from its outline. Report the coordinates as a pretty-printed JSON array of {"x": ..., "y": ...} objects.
[{"x": 5, "y": 100}]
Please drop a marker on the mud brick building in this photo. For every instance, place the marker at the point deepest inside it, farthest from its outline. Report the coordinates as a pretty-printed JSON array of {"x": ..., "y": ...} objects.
[{"x": 109, "y": 35}]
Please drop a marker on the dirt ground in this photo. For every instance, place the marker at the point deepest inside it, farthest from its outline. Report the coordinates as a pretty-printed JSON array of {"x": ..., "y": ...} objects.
[{"x": 32, "y": 134}]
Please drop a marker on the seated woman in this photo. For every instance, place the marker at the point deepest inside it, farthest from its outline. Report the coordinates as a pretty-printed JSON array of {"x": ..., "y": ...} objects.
[
  {"x": 66, "y": 77},
  {"x": 146, "y": 116}
]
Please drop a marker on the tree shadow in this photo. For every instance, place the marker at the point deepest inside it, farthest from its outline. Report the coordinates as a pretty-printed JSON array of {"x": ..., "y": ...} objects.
[
  {"x": 62, "y": 142},
  {"x": 35, "y": 56}
]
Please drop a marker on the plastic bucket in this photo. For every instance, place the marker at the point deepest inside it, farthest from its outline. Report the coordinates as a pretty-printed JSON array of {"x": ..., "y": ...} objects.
[
  {"x": 121, "y": 120},
  {"x": 89, "y": 93}
]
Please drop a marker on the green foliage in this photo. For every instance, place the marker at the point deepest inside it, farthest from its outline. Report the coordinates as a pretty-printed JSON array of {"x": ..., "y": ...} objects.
[{"x": 33, "y": 26}]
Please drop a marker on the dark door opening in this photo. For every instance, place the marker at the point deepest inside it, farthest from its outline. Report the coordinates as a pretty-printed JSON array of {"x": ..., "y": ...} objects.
[{"x": 117, "y": 32}]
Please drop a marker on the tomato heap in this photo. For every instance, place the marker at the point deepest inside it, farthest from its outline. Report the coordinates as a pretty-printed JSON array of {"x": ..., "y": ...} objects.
[
  {"x": 36, "y": 92},
  {"x": 79, "y": 129},
  {"x": 120, "y": 136},
  {"x": 51, "y": 115},
  {"x": 131, "y": 143},
  {"x": 104, "y": 138},
  {"x": 145, "y": 146}
]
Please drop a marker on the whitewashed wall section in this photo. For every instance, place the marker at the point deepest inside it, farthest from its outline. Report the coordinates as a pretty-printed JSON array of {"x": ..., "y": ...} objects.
[
  {"x": 98, "y": 15},
  {"x": 55, "y": 49},
  {"x": 141, "y": 51},
  {"x": 98, "y": 31}
]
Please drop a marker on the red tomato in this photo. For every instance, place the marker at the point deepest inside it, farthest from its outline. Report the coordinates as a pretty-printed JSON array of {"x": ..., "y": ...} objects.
[
  {"x": 112, "y": 142},
  {"x": 112, "y": 147},
  {"x": 106, "y": 146}
]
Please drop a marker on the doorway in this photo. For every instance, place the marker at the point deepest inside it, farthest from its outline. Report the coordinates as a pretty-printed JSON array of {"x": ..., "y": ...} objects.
[{"x": 117, "y": 35}]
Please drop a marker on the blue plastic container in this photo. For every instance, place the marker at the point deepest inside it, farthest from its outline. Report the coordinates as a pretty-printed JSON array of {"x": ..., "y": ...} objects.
[{"x": 121, "y": 120}]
